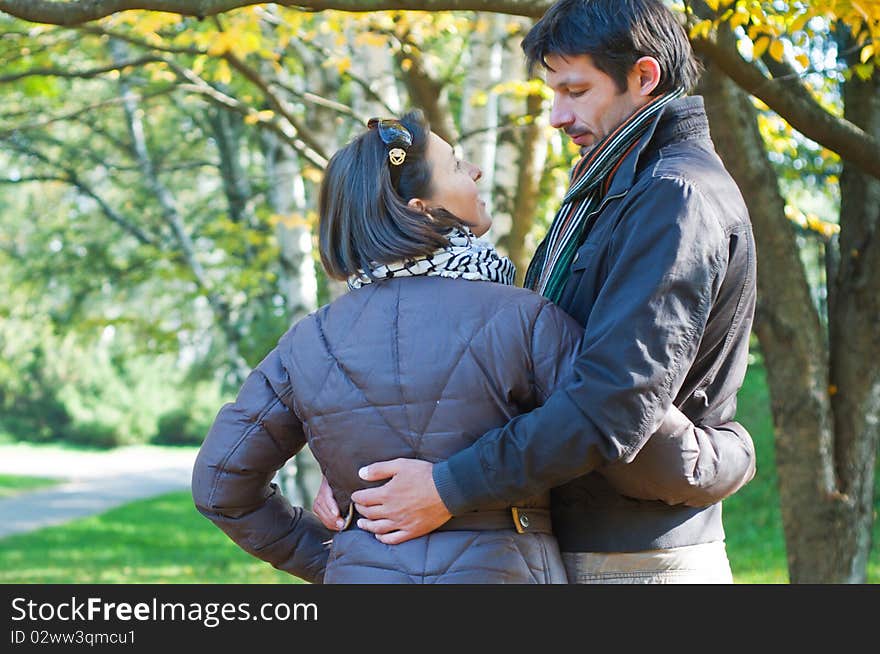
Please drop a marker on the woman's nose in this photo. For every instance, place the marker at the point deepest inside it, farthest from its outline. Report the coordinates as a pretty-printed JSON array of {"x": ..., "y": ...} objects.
[{"x": 476, "y": 173}]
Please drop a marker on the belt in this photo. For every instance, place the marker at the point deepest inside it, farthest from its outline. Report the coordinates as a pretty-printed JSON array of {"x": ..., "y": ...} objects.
[{"x": 524, "y": 520}]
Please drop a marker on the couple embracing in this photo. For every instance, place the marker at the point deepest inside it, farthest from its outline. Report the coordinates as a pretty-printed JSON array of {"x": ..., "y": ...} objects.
[{"x": 577, "y": 430}]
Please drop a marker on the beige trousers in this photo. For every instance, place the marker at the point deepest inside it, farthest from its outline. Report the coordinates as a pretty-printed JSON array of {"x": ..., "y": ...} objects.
[{"x": 695, "y": 564}]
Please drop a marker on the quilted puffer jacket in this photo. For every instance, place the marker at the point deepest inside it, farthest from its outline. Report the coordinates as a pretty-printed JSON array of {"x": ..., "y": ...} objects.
[{"x": 414, "y": 367}]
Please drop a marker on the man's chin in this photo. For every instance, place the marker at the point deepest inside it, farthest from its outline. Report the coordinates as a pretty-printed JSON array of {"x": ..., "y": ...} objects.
[
  {"x": 585, "y": 149},
  {"x": 584, "y": 141}
]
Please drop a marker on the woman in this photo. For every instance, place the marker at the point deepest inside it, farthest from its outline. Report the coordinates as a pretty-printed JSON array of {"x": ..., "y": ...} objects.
[{"x": 432, "y": 347}]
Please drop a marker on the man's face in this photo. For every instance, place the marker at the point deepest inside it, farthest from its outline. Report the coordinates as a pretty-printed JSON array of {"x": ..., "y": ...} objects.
[{"x": 587, "y": 103}]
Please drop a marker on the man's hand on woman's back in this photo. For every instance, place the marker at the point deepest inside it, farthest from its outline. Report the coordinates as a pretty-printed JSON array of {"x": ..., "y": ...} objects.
[{"x": 405, "y": 507}]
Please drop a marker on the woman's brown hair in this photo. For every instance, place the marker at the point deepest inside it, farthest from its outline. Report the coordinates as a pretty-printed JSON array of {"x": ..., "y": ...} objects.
[{"x": 363, "y": 213}]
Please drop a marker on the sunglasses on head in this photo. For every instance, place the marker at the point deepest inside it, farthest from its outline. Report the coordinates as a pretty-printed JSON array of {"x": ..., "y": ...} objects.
[{"x": 394, "y": 135}]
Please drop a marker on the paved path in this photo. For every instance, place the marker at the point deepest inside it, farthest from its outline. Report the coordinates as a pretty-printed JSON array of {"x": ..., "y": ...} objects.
[{"x": 93, "y": 482}]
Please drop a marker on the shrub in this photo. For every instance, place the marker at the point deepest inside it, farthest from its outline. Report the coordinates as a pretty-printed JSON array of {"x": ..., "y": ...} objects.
[
  {"x": 93, "y": 433},
  {"x": 180, "y": 427}
]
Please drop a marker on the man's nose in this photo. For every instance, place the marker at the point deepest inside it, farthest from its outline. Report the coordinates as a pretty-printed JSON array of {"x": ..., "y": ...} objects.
[
  {"x": 560, "y": 115},
  {"x": 476, "y": 173}
]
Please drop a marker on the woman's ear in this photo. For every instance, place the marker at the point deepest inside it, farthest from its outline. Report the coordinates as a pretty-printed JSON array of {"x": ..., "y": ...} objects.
[{"x": 417, "y": 204}]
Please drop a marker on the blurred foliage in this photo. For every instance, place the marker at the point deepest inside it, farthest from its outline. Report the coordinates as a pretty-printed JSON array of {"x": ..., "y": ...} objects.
[{"x": 107, "y": 324}]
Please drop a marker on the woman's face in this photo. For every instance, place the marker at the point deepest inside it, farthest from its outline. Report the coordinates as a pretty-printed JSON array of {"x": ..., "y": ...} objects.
[{"x": 454, "y": 186}]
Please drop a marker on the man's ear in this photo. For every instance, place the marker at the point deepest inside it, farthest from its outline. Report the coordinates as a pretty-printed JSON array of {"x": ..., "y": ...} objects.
[{"x": 648, "y": 71}]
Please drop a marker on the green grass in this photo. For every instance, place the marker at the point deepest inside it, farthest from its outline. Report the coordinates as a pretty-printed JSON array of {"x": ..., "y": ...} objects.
[
  {"x": 752, "y": 521},
  {"x": 165, "y": 540},
  {"x": 160, "y": 540},
  {"x": 12, "y": 484}
]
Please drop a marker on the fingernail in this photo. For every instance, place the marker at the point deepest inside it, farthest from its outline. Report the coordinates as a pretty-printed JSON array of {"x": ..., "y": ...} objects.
[
  {"x": 362, "y": 473},
  {"x": 339, "y": 524},
  {"x": 361, "y": 523}
]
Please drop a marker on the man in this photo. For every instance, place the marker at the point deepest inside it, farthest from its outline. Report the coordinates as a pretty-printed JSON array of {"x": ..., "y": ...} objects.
[{"x": 652, "y": 251}]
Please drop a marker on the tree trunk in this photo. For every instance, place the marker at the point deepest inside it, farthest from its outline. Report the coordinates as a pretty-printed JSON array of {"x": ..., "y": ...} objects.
[
  {"x": 228, "y": 131},
  {"x": 238, "y": 368},
  {"x": 855, "y": 337},
  {"x": 480, "y": 121},
  {"x": 426, "y": 93},
  {"x": 298, "y": 283},
  {"x": 532, "y": 154},
  {"x": 816, "y": 516}
]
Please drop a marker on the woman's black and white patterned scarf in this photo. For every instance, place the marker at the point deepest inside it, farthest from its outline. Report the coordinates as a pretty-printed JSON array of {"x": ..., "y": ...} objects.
[{"x": 466, "y": 256}]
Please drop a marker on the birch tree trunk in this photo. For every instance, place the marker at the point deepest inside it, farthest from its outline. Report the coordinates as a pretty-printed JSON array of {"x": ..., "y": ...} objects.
[
  {"x": 220, "y": 307},
  {"x": 298, "y": 283},
  {"x": 479, "y": 123}
]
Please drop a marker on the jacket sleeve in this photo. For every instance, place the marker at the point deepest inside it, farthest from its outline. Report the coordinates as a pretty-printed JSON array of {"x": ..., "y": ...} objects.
[
  {"x": 667, "y": 262},
  {"x": 553, "y": 347},
  {"x": 248, "y": 443},
  {"x": 682, "y": 463}
]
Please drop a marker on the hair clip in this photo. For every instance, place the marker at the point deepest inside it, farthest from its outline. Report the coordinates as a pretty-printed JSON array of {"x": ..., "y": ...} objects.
[{"x": 397, "y": 156}]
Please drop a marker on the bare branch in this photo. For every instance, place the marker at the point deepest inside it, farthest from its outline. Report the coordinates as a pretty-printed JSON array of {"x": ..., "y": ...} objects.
[
  {"x": 277, "y": 103},
  {"x": 364, "y": 84},
  {"x": 79, "y": 112},
  {"x": 70, "y": 176},
  {"x": 791, "y": 99},
  {"x": 201, "y": 87},
  {"x": 84, "y": 74},
  {"x": 101, "y": 31}
]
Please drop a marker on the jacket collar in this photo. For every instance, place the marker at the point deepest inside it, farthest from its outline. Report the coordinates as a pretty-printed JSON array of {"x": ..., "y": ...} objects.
[{"x": 684, "y": 118}]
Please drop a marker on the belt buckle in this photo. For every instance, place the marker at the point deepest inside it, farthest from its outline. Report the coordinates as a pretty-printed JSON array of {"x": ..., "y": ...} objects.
[
  {"x": 348, "y": 521},
  {"x": 520, "y": 520}
]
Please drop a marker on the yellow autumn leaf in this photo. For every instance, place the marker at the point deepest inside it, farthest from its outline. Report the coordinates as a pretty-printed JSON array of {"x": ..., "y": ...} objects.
[
  {"x": 800, "y": 22},
  {"x": 259, "y": 117},
  {"x": 760, "y": 47},
  {"x": 312, "y": 174},
  {"x": 343, "y": 65},
  {"x": 480, "y": 99},
  {"x": 867, "y": 53},
  {"x": 701, "y": 29},
  {"x": 199, "y": 64},
  {"x": 777, "y": 50},
  {"x": 223, "y": 74},
  {"x": 371, "y": 38},
  {"x": 289, "y": 221},
  {"x": 803, "y": 60},
  {"x": 220, "y": 44},
  {"x": 864, "y": 71},
  {"x": 739, "y": 19}
]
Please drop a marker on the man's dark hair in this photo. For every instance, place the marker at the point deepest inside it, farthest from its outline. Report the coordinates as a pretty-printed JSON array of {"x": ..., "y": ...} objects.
[
  {"x": 615, "y": 34},
  {"x": 364, "y": 217}
]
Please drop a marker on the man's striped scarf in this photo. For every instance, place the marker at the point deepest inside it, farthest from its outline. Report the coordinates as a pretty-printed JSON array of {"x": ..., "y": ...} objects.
[{"x": 590, "y": 179}]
